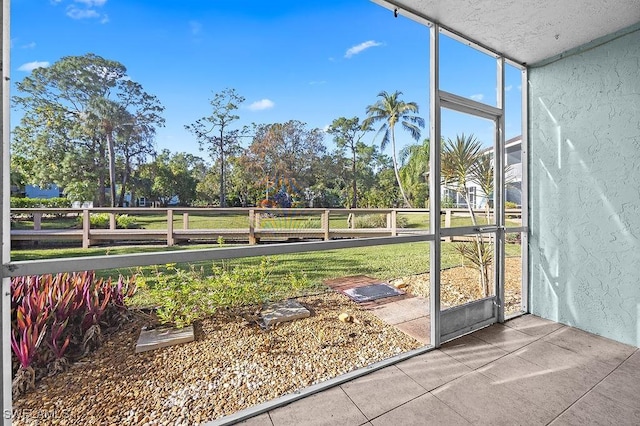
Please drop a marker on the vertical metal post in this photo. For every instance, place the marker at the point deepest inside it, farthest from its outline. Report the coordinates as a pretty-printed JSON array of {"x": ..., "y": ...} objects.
[
  {"x": 5, "y": 224},
  {"x": 499, "y": 194},
  {"x": 434, "y": 181},
  {"x": 524, "y": 243}
]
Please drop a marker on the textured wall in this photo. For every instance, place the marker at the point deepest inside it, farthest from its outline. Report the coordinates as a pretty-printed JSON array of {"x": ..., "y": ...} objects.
[{"x": 585, "y": 190}]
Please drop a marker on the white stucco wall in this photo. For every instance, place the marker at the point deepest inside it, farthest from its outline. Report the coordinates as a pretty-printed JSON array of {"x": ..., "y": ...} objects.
[{"x": 584, "y": 128}]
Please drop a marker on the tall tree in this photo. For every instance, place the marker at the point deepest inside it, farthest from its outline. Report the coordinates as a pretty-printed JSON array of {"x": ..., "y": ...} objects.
[
  {"x": 286, "y": 155},
  {"x": 347, "y": 134},
  {"x": 391, "y": 110},
  {"x": 215, "y": 132},
  {"x": 172, "y": 175},
  {"x": 73, "y": 112}
]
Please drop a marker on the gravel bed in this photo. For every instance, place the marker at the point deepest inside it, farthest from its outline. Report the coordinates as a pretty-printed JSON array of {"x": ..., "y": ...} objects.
[
  {"x": 460, "y": 285},
  {"x": 232, "y": 365}
]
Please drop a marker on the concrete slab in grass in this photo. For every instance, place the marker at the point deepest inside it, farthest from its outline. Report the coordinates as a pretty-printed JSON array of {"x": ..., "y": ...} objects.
[
  {"x": 163, "y": 337},
  {"x": 283, "y": 311}
]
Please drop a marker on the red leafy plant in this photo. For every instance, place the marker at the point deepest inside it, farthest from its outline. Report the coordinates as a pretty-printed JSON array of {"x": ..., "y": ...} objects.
[
  {"x": 30, "y": 328},
  {"x": 65, "y": 311}
]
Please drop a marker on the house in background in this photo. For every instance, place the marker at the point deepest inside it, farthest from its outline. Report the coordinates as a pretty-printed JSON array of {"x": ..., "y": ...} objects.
[
  {"x": 51, "y": 191},
  {"x": 477, "y": 198}
]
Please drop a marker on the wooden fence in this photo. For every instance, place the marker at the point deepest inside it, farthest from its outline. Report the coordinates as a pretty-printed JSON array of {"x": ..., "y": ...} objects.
[{"x": 262, "y": 224}]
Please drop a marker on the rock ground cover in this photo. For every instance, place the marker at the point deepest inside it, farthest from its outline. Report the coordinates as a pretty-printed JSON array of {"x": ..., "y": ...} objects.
[
  {"x": 233, "y": 364},
  {"x": 460, "y": 285}
]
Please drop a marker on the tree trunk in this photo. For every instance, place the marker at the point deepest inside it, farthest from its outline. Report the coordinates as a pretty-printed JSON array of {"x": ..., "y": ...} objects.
[
  {"x": 125, "y": 179},
  {"x": 223, "y": 198},
  {"x": 395, "y": 169},
  {"x": 354, "y": 202},
  {"x": 112, "y": 168},
  {"x": 101, "y": 177},
  {"x": 480, "y": 247}
]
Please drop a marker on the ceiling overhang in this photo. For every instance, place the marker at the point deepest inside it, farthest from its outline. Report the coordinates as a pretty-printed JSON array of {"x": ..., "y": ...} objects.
[{"x": 526, "y": 32}]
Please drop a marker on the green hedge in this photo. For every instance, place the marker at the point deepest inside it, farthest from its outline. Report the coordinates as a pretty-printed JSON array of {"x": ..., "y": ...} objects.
[{"x": 32, "y": 203}]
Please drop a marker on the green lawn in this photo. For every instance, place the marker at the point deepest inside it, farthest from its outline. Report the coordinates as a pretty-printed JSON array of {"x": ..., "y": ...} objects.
[{"x": 384, "y": 262}]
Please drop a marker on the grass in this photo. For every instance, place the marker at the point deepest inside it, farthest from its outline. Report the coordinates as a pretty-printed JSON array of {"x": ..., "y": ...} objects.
[{"x": 383, "y": 262}]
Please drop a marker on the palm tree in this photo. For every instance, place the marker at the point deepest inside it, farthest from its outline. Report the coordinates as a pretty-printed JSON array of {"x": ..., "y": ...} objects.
[
  {"x": 461, "y": 160},
  {"x": 415, "y": 171},
  {"x": 391, "y": 110}
]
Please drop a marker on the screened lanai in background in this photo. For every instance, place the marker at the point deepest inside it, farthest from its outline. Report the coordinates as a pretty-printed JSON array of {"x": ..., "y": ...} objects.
[{"x": 580, "y": 146}]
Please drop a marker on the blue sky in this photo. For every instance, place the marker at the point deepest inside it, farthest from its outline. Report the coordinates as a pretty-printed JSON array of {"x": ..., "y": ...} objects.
[{"x": 312, "y": 61}]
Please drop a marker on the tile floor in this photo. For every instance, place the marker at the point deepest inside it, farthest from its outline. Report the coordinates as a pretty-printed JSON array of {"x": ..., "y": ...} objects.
[{"x": 529, "y": 371}]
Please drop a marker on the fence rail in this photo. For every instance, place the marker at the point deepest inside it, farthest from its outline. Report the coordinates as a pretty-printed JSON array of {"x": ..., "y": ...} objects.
[{"x": 262, "y": 224}]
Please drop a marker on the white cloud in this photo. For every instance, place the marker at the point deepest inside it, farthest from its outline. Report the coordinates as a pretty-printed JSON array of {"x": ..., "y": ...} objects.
[
  {"x": 75, "y": 13},
  {"x": 326, "y": 128},
  {"x": 508, "y": 88},
  {"x": 85, "y": 9},
  {"x": 30, "y": 66},
  {"x": 261, "y": 105},
  {"x": 31, "y": 45},
  {"x": 92, "y": 3},
  {"x": 360, "y": 48},
  {"x": 195, "y": 27},
  {"x": 477, "y": 97}
]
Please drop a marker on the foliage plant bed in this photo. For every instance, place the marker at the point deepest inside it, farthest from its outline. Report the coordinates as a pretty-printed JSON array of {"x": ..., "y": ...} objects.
[{"x": 232, "y": 365}]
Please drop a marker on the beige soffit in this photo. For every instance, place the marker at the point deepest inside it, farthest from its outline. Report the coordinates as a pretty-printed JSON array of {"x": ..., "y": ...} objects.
[{"x": 526, "y": 31}]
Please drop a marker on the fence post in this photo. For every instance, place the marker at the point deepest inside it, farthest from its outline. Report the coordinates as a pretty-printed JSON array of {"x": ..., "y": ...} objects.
[
  {"x": 394, "y": 224},
  {"x": 447, "y": 222},
  {"x": 447, "y": 218},
  {"x": 112, "y": 221},
  {"x": 86, "y": 225},
  {"x": 170, "y": 241},
  {"x": 325, "y": 224},
  {"x": 252, "y": 226},
  {"x": 37, "y": 220},
  {"x": 185, "y": 220}
]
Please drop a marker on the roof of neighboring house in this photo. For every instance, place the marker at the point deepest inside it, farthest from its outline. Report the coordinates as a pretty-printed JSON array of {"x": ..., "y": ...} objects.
[
  {"x": 507, "y": 144},
  {"x": 527, "y": 32}
]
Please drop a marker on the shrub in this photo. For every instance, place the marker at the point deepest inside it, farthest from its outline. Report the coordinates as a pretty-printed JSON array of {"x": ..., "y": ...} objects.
[
  {"x": 32, "y": 203},
  {"x": 378, "y": 221},
  {"x": 513, "y": 238},
  {"x": 124, "y": 221},
  {"x": 184, "y": 296},
  {"x": 101, "y": 220},
  {"x": 447, "y": 203},
  {"x": 98, "y": 220},
  {"x": 510, "y": 205}
]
